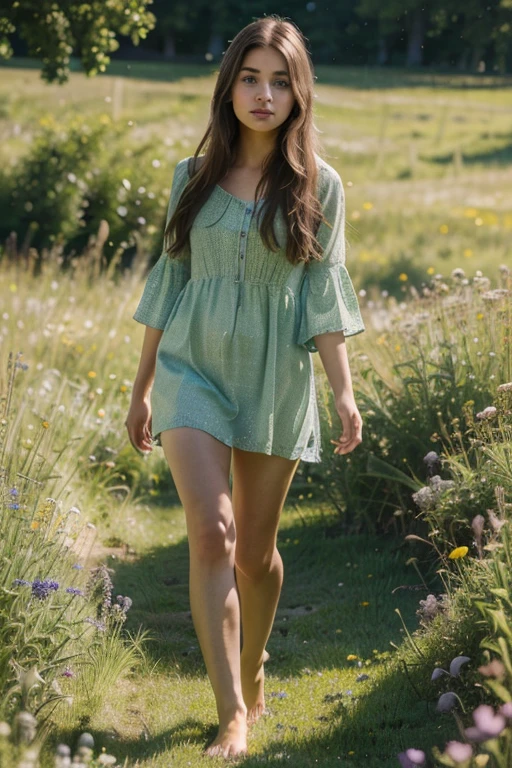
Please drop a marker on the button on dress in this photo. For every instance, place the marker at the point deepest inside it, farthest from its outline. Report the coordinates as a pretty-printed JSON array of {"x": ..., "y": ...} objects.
[{"x": 239, "y": 321}]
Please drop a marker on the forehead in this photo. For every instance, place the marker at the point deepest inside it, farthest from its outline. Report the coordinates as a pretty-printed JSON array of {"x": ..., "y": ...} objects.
[{"x": 266, "y": 60}]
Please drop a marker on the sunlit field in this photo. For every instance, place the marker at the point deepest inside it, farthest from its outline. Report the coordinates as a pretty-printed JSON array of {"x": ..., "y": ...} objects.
[{"x": 95, "y": 631}]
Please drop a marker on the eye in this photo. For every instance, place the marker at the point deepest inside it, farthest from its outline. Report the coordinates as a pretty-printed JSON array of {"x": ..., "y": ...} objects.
[{"x": 283, "y": 82}]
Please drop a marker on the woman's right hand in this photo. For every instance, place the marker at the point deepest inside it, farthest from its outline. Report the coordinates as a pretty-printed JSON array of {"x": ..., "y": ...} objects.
[{"x": 138, "y": 424}]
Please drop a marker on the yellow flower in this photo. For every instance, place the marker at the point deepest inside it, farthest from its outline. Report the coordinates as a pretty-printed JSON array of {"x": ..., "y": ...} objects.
[
  {"x": 458, "y": 552},
  {"x": 478, "y": 221},
  {"x": 45, "y": 424},
  {"x": 430, "y": 271},
  {"x": 468, "y": 252},
  {"x": 92, "y": 374},
  {"x": 365, "y": 603},
  {"x": 403, "y": 277},
  {"x": 338, "y": 631},
  {"x": 367, "y": 206},
  {"x": 479, "y": 316},
  {"x": 13, "y": 287},
  {"x": 34, "y": 525},
  {"x": 352, "y": 657},
  {"x": 397, "y": 347},
  {"x": 101, "y": 413},
  {"x": 443, "y": 229},
  {"x": 123, "y": 387}
]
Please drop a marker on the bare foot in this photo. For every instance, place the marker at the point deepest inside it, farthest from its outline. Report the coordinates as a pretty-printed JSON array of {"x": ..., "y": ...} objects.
[
  {"x": 231, "y": 740},
  {"x": 253, "y": 688}
]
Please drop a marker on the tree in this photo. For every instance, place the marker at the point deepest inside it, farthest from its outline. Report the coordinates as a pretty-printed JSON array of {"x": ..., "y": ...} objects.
[{"x": 56, "y": 29}]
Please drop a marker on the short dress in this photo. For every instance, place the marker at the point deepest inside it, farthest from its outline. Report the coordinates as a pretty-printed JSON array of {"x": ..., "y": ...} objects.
[{"x": 239, "y": 324}]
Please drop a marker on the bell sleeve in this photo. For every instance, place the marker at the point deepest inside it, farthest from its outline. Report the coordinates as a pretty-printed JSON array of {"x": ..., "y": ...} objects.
[
  {"x": 328, "y": 301},
  {"x": 168, "y": 276}
]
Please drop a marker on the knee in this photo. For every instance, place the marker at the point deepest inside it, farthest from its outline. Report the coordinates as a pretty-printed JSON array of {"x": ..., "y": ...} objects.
[
  {"x": 212, "y": 541},
  {"x": 253, "y": 565}
]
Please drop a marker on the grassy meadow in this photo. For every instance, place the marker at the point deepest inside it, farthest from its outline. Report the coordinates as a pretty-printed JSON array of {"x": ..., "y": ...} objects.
[{"x": 95, "y": 629}]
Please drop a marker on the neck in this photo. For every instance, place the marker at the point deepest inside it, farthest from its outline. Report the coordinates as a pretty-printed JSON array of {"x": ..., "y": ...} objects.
[{"x": 253, "y": 148}]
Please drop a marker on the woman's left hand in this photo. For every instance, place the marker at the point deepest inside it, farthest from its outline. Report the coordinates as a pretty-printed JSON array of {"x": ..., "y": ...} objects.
[{"x": 352, "y": 425}]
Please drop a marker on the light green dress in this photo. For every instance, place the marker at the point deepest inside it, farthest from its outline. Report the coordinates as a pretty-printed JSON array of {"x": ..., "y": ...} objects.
[{"x": 239, "y": 323}]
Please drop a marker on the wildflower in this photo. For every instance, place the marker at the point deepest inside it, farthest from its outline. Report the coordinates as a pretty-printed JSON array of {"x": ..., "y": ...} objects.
[
  {"x": 41, "y": 589},
  {"x": 13, "y": 506},
  {"x": 505, "y": 387},
  {"x": 45, "y": 424},
  {"x": 458, "y": 552},
  {"x": 74, "y": 591},
  {"x": 459, "y": 752},
  {"x": 101, "y": 413},
  {"x": 98, "y": 624},
  {"x": 495, "y": 668},
  {"x": 487, "y": 413},
  {"x": 488, "y": 724},
  {"x": 443, "y": 229},
  {"x": 352, "y": 657},
  {"x": 21, "y": 583},
  {"x": 447, "y": 701},
  {"x": 92, "y": 374},
  {"x": 123, "y": 388},
  {"x": 403, "y": 277},
  {"x": 458, "y": 273},
  {"x": 506, "y": 710},
  {"x": 412, "y": 758},
  {"x": 124, "y": 602},
  {"x": 77, "y": 566},
  {"x": 365, "y": 603},
  {"x": 68, "y": 672},
  {"x": 14, "y": 492}
]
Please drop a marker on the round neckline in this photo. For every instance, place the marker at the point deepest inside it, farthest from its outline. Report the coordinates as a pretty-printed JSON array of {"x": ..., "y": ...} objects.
[{"x": 245, "y": 202}]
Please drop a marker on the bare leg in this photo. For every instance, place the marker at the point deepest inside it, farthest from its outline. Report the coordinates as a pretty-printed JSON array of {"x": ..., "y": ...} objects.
[
  {"x": 260, "y": 486},
  {"x": 200, "y": 468}
]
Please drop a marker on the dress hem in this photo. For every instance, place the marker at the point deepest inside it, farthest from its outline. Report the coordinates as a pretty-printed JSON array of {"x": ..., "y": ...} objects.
[{"x": 237, "y": 443}]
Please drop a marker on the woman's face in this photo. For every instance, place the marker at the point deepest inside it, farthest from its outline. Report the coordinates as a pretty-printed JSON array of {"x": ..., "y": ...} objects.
[{"x": 263, "y": 83}]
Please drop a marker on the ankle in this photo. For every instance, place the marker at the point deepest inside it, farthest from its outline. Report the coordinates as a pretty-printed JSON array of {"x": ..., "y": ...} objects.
[{"x": 230, "y": 714}]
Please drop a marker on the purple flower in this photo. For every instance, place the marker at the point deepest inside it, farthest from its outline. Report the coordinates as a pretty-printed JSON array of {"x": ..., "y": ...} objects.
[
  {"x": 459, "y": 753},
  {"x": 124, "y": 602},
  {"x": 14, "y": 492},
  {"x": 21, "y": 583},
  {"x": 68, "y": 672},
  {"x": 13, "y": 506},
  {"x": 412, "y": 758},
  {"x": 41, "y": 589},
  {"x": 98, "y": 624},
  {"x": 506, "y": 710},
  {"x": 74, "y": 591},
  {"x": 488, "y": 724},
  {"x": 77, "y": 566}
]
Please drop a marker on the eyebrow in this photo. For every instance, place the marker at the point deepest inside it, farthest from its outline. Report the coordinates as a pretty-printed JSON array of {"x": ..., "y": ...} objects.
[{"x": 279, "y": 71}]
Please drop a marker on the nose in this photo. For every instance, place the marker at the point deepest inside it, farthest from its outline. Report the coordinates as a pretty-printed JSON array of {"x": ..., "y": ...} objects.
[{"x": 265, "y": 93}]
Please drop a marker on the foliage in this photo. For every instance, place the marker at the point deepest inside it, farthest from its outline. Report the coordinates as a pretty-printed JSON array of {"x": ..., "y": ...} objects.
[
  {"x": 87, "y": 29},
  {"x": 76, "y": 181}
]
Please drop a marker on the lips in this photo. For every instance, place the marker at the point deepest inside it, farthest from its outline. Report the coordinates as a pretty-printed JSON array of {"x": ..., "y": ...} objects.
[{"x": 261, "y": 112}]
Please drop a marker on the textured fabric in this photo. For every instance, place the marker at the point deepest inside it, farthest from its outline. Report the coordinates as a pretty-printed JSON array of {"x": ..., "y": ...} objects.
[{"x": 239, "y": 323}]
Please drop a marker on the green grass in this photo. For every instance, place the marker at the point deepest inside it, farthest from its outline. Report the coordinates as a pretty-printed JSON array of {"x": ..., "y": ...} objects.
[{"x": 318, "y": 713}]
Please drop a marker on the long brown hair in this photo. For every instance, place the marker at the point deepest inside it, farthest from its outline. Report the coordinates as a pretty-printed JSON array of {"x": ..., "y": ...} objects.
[{"x": 289, "y": 178}]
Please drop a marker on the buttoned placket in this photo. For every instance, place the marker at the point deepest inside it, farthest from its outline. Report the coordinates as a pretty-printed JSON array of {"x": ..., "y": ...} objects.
[{"x": 242, "y": 251}]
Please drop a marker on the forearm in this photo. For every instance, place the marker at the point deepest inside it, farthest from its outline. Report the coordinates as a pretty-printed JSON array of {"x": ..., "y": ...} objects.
[
  {"x": 146, "y": 370},
  {"x": 333, "y": 353}
]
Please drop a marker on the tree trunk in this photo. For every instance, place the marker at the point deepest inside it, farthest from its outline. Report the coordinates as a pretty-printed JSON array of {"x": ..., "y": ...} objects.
[
  {"x": 382, "y": 52},
  {"x": 415, "y": 39},
  {"x": 216, "y": 45},
  {"x": 169, "y": 46}
]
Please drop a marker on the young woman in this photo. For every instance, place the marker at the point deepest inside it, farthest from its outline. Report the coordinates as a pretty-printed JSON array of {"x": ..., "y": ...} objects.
[{"x": 253, "y": 282}]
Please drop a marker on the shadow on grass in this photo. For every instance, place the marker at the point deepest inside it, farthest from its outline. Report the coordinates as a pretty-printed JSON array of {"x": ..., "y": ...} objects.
[{"x": 339, "y": 598}]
